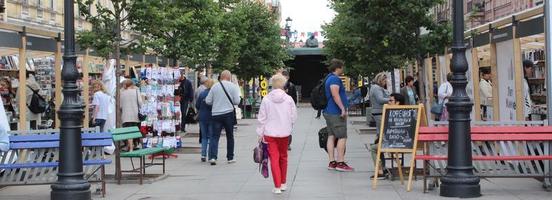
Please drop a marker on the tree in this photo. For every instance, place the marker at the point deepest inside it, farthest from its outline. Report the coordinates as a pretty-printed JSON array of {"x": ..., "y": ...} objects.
[
  {"x": 376, "y": 35},
  {"x": 252, "y": 45},
  {"x": 108, "y": 22},
  {"x": 181, "y": 30}
]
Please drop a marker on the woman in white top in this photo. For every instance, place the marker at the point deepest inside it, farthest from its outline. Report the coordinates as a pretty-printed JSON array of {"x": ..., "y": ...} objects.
[
  {"x": 130, "y": 108},
  {"x": 100, "y": 102},
  {"x": 444, "y": 93},
  {"x": 4, "y": 128},
  {"x": 485, "y": 93},
  {"x": 528, "y": 73}
]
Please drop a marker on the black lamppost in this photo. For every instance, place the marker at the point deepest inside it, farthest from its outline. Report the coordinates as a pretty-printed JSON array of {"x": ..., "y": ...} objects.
[
  {"x": 71, "y": 183},
  {"x": 459, "y": 180},
  {"x": 288, "y": 29}
]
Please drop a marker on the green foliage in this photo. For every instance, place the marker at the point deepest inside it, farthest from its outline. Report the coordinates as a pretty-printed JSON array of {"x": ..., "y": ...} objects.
[
  {"x": 182, "y": 30},
  {"x": 104, "y": 37},
  {"x": 252, "y": 45},
  {"x": 376, "y": 35}
]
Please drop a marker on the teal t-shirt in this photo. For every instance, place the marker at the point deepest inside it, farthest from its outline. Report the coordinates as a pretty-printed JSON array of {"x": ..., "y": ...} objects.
[{"x": 332, "y": 107}]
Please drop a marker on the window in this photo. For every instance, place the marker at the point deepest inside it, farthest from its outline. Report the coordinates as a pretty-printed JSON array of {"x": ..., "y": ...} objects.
[
  {"x": 25, "y": 9},
  {"x": 52, "y": 5}
]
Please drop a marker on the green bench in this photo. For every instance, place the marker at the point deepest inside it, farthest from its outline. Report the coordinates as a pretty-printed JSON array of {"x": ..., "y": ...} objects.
[{"x": 123, "y": 134}]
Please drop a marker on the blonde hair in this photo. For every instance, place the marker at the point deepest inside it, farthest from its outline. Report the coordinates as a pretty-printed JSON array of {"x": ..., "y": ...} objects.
[
  {"x": 379, "y": 78},
  {"x": 278, "y": 81},
  {"x": 99, "y": 84},
  {"x": 209, "y": 83}
]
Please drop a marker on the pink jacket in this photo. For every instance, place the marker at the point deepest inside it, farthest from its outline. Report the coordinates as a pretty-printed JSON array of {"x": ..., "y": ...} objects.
[{"x": 276, "y": 115}]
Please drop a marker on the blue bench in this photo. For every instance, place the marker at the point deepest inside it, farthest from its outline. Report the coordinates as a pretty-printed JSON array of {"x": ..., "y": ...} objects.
[{"x": 33, "y": 159}]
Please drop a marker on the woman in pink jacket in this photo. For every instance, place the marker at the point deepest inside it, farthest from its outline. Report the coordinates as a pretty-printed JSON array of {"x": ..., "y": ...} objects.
[{"x": 276, "y": 116}]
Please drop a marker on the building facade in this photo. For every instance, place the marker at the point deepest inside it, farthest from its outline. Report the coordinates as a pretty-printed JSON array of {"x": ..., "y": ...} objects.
[
  {"x": 44, "y": 14},
  {"x": 479, "y": 12}
]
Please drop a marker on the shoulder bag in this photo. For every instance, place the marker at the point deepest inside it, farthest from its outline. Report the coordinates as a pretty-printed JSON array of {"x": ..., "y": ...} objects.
[
  {"x": 141, "y": 117},
  {"x": 234, "y": 119}
]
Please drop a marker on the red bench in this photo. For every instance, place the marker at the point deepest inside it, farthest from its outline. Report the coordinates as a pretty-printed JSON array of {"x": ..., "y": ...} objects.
[{"x": 500, "y": 151}]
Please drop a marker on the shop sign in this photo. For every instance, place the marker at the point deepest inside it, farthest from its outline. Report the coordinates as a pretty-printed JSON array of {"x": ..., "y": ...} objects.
[
  {"x": 41, "y": 44},
  {"x": 150, "y": 59},
  {"x": 264, "y": 86},
  {"x": 503, "y": 34},
  {"x": 481, "y": 39},
  {"x": 530, "y": 27},
  {"x": 136, "y": 57},
  {"x": 10, "y": 40}
]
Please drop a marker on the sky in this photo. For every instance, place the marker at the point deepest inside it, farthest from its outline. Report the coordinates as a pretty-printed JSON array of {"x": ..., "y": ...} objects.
[{"x": 307, "y": 15}]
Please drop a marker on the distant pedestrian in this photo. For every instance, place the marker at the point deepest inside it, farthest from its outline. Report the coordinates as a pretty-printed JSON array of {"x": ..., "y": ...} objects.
[
  {"x": 186, "y": 93},
  {"x": 101, "y": 102},
  {"x": 199, "y": 90},
  {"x": 205, "y": 121},
  {"x": 528, "y": 68},
  {"x": 277, "y": 115},
  {"x": 444, "y": 93},
  {"x": 223, "y": 96},
  {"x": 394, "y": 99},
  {"x": 4, "y": 128},
  {"x": 485, "y": 93},
  {"x": 130, "y": 109},
  {"x": 335, "y": 114},
  {"x": 292, "y": 92},
  {"x": 378, "y": 97},
  {"x": 409, "y": 91}
]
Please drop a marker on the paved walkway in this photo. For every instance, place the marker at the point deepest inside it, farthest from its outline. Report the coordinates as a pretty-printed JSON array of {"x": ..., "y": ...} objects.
[{"x": 188, "y": 179}]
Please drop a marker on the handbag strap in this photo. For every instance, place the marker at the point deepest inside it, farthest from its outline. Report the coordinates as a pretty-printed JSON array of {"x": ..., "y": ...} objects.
[
  {"x": 137, "y": 100},
  {"x": 227, "y": 96}
]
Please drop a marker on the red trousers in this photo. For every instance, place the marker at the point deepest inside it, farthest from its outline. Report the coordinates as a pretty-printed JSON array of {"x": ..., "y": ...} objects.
[{"x": 278, "y": 155}]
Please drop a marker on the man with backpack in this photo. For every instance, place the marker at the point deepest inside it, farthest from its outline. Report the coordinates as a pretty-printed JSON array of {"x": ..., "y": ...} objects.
[
  {"x": 335, "y": 113},
  {"x": 36, "y": 104}
]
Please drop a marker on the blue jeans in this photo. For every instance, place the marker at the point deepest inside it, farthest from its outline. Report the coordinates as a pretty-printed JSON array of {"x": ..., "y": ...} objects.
[
  {"x": 100, "y": 123},
  {"x": 206, "y": 133},
  {"x": 222, "y": 121}
]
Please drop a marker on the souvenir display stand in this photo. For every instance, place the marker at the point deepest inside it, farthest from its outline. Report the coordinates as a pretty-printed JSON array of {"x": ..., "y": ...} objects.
[{"x": 160, "y": 107}]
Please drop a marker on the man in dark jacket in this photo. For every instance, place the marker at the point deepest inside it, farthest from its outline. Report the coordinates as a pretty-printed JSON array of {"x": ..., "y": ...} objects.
[
  {"x": 186, "y": 93},
  {"x": 291, "y": 91},
  {"x": 290, "y": 87}
]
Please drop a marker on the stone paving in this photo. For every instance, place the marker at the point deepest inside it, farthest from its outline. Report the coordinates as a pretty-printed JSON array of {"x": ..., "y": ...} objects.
[{"x": 189, "y": 179}]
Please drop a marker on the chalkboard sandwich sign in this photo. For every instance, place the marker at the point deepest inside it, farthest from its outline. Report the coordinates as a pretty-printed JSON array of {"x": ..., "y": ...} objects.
[{"x": 399, "y": 134}]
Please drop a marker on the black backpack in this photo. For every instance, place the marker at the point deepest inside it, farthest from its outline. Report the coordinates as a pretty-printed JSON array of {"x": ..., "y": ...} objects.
[
  {"x": 38, "y": 103},
  {"x": 318, "y": 98}
]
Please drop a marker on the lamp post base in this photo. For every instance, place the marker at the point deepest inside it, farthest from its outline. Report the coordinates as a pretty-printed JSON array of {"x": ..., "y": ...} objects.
[
  {"x": 75, "y": 190},
  {"x": 460, "y": 186},
  {"x": 85, "y": 194}
]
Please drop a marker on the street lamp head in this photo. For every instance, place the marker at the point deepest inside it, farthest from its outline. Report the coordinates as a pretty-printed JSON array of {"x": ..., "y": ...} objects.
[{"x": 288, "y": 21}]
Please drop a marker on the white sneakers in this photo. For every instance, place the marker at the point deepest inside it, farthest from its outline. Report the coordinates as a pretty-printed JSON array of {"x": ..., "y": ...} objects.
[
  {"x": 231, "y": 161},
  {"x": 282, "y": 188}
]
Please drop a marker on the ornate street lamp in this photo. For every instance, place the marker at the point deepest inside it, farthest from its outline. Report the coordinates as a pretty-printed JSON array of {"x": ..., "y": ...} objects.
[
  {"x": 288, "y": 29},
  {"x": 71, "y": 183},
  {"x": 459, "y": 180}
]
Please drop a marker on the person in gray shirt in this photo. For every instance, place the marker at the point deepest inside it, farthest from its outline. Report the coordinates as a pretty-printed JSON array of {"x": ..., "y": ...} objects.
[{"x": 223, "y": 96}]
